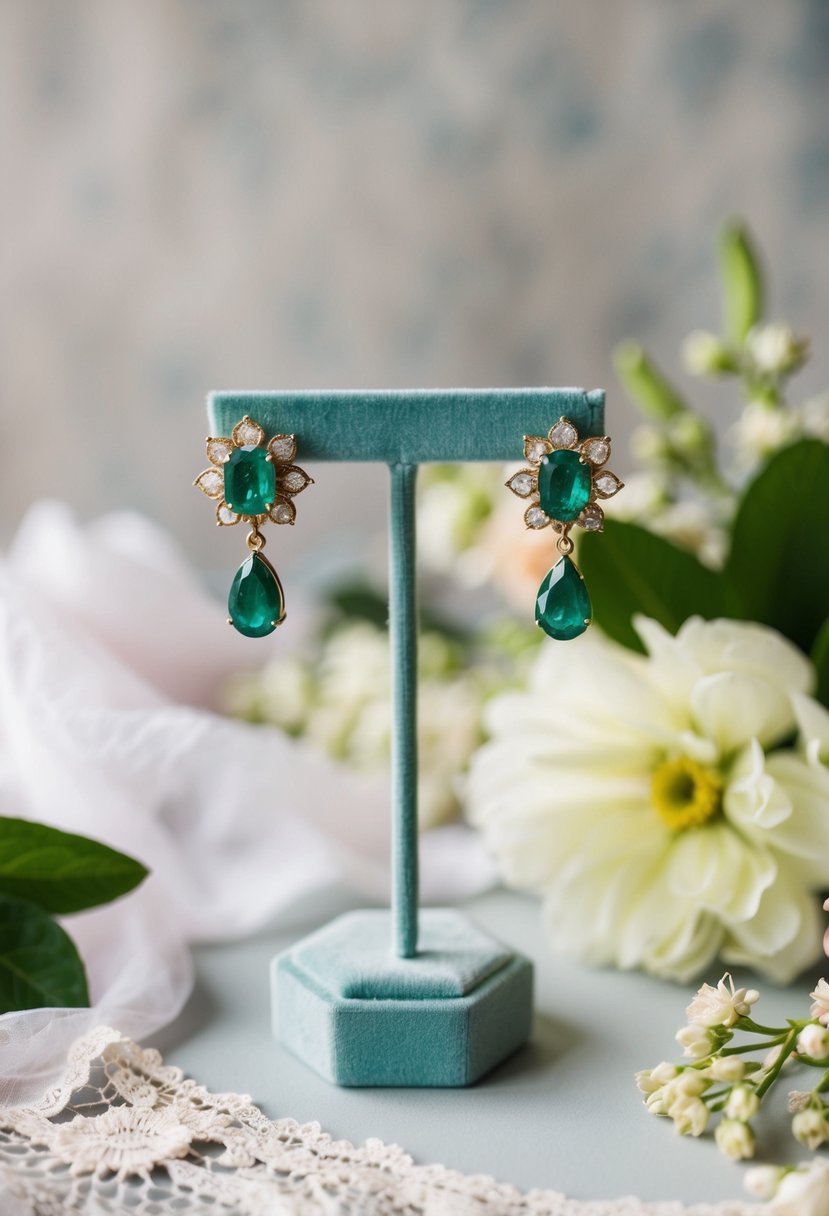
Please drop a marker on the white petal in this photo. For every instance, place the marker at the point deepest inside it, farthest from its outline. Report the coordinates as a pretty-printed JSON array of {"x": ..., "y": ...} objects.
[
  {"x": 715, "y": 868},
  {"x": 732, "y": 707},
  {"x": 753, "y": 800},
  {"x": 746, "y": 647},
  {"x": 783, "y": 938},
  {"x": 813, "y": 724},
  {"x": 804, "y": 834}
]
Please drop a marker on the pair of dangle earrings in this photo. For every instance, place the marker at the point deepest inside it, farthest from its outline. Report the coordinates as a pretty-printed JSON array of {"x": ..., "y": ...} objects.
[
  {"x": 565, "y": 478},
  {"x": 254, "y": 482}
]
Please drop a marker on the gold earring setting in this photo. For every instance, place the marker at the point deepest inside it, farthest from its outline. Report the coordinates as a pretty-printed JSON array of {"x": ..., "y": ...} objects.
[
  {"x": 255, "y": 482},
  {"x": 565, "y": 478}
]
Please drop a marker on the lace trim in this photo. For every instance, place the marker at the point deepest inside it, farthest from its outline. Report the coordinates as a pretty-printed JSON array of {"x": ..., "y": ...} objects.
[{"x": 125, "y": 1132}]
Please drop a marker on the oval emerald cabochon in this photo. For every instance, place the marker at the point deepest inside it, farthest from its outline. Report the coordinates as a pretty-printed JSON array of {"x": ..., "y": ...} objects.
[
  {"x": 564, "y": 485},
  {"x": 255, "y": 604},
  {"x": 562, "y": 608}
]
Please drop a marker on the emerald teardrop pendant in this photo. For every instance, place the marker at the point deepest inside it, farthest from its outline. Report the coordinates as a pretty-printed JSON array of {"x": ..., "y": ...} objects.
[
  {"x": 562, "y": 607},
  {"x": 256, "y": 602}
]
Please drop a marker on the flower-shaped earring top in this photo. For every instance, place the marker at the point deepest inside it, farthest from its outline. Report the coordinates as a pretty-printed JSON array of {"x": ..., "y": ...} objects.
[
  {"x": 566, "y": 478},
  {"x": 250, "y": 480}
]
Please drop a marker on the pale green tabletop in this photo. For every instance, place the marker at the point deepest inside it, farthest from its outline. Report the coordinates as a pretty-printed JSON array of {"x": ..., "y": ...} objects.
[{"x": 562, "y": 1114}]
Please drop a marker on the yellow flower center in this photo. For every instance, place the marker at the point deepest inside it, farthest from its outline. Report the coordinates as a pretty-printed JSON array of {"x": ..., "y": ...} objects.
[{"x": 684, "y": 794}]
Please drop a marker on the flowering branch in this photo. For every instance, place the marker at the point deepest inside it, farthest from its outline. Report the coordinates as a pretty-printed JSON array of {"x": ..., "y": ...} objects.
[{"x": 716, "y": 1080}]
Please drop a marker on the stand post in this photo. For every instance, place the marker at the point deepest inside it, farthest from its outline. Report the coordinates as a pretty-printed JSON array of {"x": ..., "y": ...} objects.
[{"x": 403, "y": 642}]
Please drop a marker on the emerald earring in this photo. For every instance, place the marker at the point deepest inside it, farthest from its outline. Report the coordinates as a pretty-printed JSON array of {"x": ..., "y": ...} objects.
[
  {"x": 565, "y": 478},
  {"x": 255, "y": 482}
]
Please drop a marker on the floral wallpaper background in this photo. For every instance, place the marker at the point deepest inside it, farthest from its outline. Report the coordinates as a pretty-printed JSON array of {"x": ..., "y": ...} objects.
[{"x": 208, "y": 194}]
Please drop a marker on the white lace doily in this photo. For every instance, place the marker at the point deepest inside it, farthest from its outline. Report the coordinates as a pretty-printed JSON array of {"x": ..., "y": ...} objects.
[{"x": 125, "y": 1133}]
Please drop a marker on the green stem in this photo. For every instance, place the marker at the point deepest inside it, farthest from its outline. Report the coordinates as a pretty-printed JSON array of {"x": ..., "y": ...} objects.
[
  {"x": 738, "y": 1051},
  {"x": 774, "y": 1072},
  {"x": 747, "y": 1023}
]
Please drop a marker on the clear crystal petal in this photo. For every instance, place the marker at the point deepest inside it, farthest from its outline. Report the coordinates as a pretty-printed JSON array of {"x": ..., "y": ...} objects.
[
  {"x": 218, "y": 450},
  {"x": 211, "y": 482},
  {"x": 607, "y": 484},
  {"x": 591, "y": 518},
  {"x": 283, "y": 511},
  {"x": 536, "y": 446},
  {"x": 534, "y": 517},
  {"x": 225, "y": 516},
  {"x": 247, "y": 433},
  {"x": 293, "y": 479},
  {"x": 283, "y": 448},
  {"x": 597, "y": 449},
  {"x": 564, "y": 434},
  {"x": 522, "y": 483}
]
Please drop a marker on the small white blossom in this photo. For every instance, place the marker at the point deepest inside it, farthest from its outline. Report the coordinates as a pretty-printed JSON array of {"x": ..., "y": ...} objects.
[
  {"x": 798, "y": 1099},
  {"x": 803, "y": 1192},
  {"x": 704, "y": 354},
  {"x": 690, "y": 1116},
  {"x": 762, "y": 1181},
  {"x": 723, "y": 1005},
  {"x": 775, "y": 348},
  {"x": 691, "y": 1083},
  {"x": 814, "y": 1041},
  {"x": 735, "y": 1139},
  {"x": 811, "y": 1128},
  {"x": 697, "y": 1041},
  {"x": 727, "y": 1068},
  {"x": 820, "y": 1002},
  {"x": 742, "y": 1104},
  {"x": 649, "y": 1080},
  {"x": 760, "y": 430}
]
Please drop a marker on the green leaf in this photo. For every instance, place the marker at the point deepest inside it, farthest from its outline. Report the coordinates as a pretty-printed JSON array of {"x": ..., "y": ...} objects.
[
  {"x": 39, "y": 964},
  {"x": 820, "y": 658},
  {"x": 742, "y": 282},
  {"x": 645, "y": 384},
  {"x": 777, "y": 569},
  {"x": 629, "y": 570},
  {"x": 60, "y": 871}
]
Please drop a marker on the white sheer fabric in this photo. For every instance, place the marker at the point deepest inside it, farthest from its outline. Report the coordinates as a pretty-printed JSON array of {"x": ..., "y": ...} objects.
[{"x": 109, "y": 655}]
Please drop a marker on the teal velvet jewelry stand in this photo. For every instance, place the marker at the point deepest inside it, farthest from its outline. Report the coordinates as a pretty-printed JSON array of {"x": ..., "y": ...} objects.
[{"x": 405, "y": 997}]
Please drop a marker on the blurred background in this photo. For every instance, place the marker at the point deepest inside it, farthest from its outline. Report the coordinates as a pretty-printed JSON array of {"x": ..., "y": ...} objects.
[{"x": 205, "y": 194}]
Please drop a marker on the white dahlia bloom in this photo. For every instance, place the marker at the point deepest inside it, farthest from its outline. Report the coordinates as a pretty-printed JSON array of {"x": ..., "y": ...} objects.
[{"x": 655, "y": 800}]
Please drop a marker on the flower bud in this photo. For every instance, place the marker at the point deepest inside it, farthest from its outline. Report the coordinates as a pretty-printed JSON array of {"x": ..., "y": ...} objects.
[
  {"x": 697, "y": 1041},
  {"x": 649, "y": 1080},
  {"x": 810, "y": 1128},
  {"x": 762, "y": 1181},
  {"x": 775, "y": 349},
  {"x": 704, "y": 354},
  {"x": 690, "y": 1116},
  {"x": 814, "y": 1041},
  {"x": 735, "y": 1139},
  {"x": 727, "y": 1068},
  {"x": 742, "y": 1104}
]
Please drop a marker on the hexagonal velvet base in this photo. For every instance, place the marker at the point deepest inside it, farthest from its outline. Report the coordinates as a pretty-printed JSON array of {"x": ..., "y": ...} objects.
[{"x": 359, "y": 1016}]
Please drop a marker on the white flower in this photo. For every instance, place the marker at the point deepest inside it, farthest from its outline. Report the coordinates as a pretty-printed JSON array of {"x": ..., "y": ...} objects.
[
  {"x": 820, "y": 1002},
  {"x": 723, "y": 1005},
  {"x": 775, "y": 348},
  {"x": 735, "y": 1139},
  {"x": 636, "y": 794},
  {"x": 649, "y": 1080},
  {"x": 696, "y": 1040},
  {"x": 689, "y": 1115},
  {"x": 803, "y": 1192},
  {"x": 810, "y": 1127},
  {"x": 762, "y": 1181},
  {"x": 704, "y": 354},
  {"x": 814, "y": 1041},
  {"x": 742, "y": 1104},
  {"x": 760, "y": 430},
  {"x": 125, "y": 1140},
  {"x": 726, "y": 1068}
]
